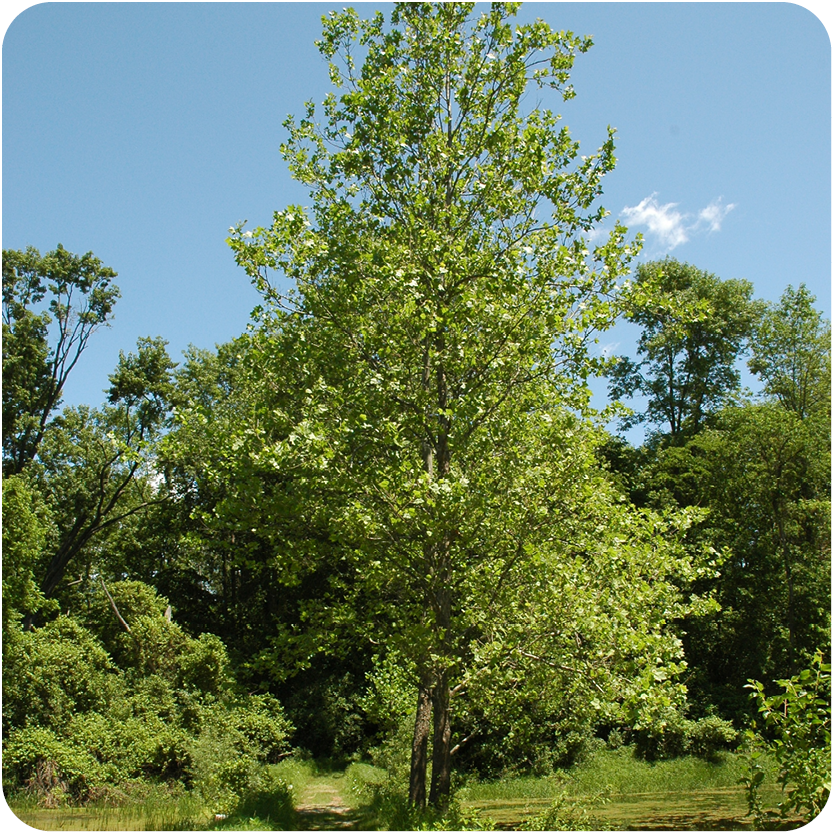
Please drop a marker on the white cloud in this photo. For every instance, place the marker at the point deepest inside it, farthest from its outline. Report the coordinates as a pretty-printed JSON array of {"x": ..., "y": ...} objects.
[
  {"x": 663, "y": 221},
  {"x": 670, "y": 227},
  {"x": 714, "y": 214}
]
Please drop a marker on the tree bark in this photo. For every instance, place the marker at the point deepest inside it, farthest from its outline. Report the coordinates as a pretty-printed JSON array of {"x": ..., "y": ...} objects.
[
  {"x": 419, "y": 750},
  {"x": 441, "y": 762}
]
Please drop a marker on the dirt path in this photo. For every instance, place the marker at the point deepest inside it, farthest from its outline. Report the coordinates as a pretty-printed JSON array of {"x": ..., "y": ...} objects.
[{"x": 322, "y": 807}]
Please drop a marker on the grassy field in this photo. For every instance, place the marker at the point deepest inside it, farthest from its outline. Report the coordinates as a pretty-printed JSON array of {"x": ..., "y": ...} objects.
[{"x": 612, "y": 790}]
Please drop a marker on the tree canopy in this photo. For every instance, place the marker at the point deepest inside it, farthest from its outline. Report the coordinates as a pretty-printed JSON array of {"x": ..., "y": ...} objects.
[
  {"x": 43, "y": 340},
  {"x": 694, "y": 328},
  {"x": 386, "y": 522},
  {"x": 439, "y": 332}
]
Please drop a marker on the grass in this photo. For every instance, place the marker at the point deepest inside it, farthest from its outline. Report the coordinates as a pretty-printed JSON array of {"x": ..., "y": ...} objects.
[
  {"x": 267, "y": 805},
  {"x": 683, "y": 793},
  {"x": 615, "y": 772},
  {"x": 156, "y": 811},
  {"x": 615, "y": 790}
]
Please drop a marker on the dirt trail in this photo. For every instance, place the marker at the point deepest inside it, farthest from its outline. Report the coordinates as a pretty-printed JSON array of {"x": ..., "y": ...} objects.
[{"x": 323, "y": 808}]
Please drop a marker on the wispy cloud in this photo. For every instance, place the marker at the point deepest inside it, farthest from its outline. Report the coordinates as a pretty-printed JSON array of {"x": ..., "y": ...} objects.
[
  {"x": 714, "y": 214},
  {"x": 663, "y": 221},
  {"x": 671, "y": 228}
]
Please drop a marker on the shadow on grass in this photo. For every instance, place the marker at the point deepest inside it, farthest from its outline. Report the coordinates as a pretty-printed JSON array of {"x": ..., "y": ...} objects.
[{"x": 327, "y": 818}]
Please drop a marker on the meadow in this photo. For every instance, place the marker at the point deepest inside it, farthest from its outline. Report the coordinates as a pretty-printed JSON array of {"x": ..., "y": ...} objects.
[{"x": 611, "y": 790}]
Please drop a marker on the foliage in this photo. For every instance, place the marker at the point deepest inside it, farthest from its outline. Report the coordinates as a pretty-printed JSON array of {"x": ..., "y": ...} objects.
[
  {"x": 49, "y": 766},
  {"x": 763, "y": 473},
  {"x": 389, "y": 695},
  {"x": 81, "y": 299},
  {"x": 761, "y": 470},
  {"x": 795, "y": 730},
  {"x": 77, "y": 722},
  {"x": 694, "y": 327},
  {"x": 672, "y": 735},
  {"x": 27, "y": 525},
  {"x": 54, "y": 672},
  {"x": 791, "y": 353}
]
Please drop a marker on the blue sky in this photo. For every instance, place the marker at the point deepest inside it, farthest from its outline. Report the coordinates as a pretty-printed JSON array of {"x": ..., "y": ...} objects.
[{"x": 143, "y": 131}]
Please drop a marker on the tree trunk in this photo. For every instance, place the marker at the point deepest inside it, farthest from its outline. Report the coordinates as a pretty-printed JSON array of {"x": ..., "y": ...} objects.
[
  {"x": 419, "y": 750},
  {"x": 441, "y": 762}
]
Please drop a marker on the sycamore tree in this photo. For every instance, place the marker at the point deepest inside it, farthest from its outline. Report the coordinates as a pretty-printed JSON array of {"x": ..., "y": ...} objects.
[{"x": 438, "y": 341}]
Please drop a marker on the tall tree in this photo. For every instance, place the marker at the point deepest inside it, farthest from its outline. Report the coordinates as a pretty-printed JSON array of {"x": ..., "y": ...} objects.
[
  {"x": 791, "y": 353},
  {"x": 439, "y": 335},
  {"x": 42, "y": 341},
  {"x": 763, "y": 471},
  {"x": 694, "y": 328},
  {"x": 95, "y": 466}
]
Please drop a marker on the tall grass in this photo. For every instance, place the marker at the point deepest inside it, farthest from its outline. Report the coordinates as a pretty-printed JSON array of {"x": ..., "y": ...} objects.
[
  {"x": 157, "y": 810},
  {"x": 615, "y": 772},
  {"x": 614, "y": 789},
  {"x": 266, "y": 803},
  {"x": 620, "y": 772}
]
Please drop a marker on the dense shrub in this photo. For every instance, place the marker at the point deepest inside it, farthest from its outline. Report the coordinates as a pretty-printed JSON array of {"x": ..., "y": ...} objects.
[
  {"x": 264, "y": 730},
  {"x": 204, "y": 664},
  {"x": 76, "y": 722},
  {"x": 51, "y": 767},
  {"x": 673, "y": 735},
  {"x": 235, "y": 740},
  {"x": 27, "y": 524},
  {"x": 268, "y": 797},
  {"x": 55, "y": 672},
  {"x": 711, "y": 735},
  {"x": 155, "y": 644}
]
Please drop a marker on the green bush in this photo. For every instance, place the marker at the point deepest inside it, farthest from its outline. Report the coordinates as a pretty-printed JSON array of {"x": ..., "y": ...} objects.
[
  {"x": 234, "y": 741},
  {"x": 27, "y": 524},
  {"x": 269, "y": 797},
  {"x": 154, "y": 644},
  {"x": 75, "y": 723},
  {"x": 132, "y": 598},
  {"x": 665, "y": 737},
  {"x": 672, "y": 735},
  {"x": 217, "y": 771},
  {"x": 615, "y": 738},
  {"x": 204, "y": 664},
  {"x": 50, "y": 767},
  {"x": 262, "y": 726},
  {"x": 393, "y": 754},
  {"x": 711, "y": 735},
  {"x": 55, "y": 672}
]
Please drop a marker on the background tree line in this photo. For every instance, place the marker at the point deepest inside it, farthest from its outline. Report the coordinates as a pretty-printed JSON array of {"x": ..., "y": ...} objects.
[{"x": 387, "y": 520}]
